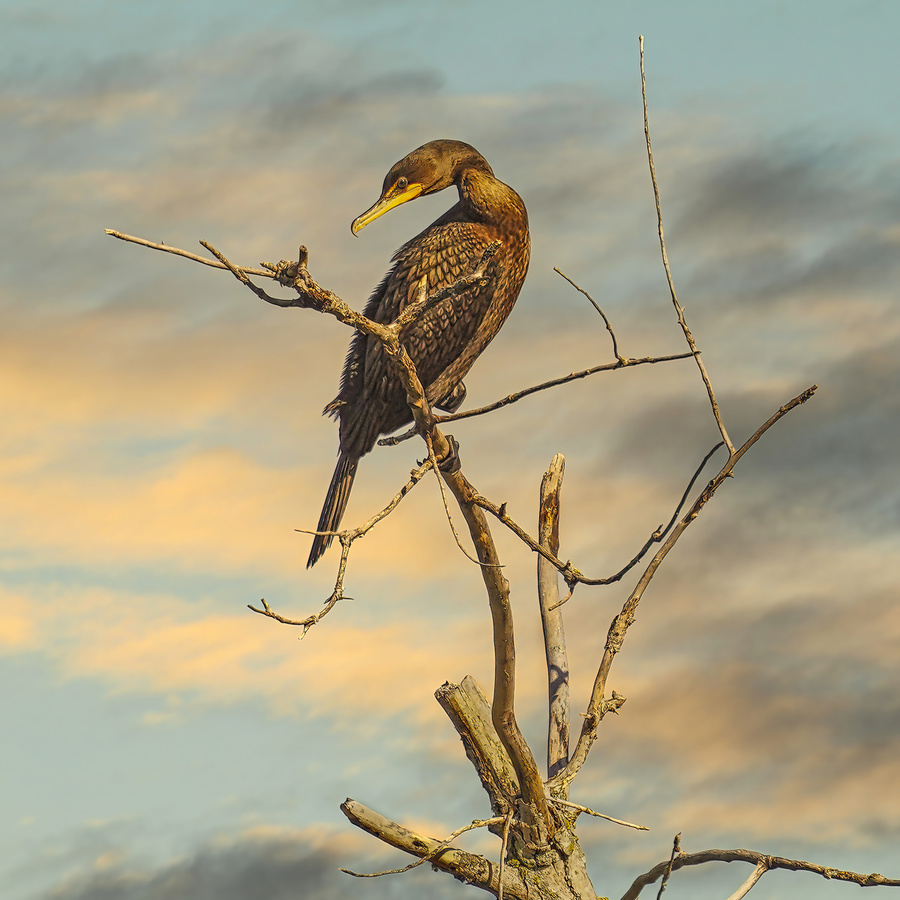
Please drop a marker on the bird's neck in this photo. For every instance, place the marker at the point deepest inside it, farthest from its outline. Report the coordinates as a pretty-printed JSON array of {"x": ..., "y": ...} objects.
[{"x": 487, "y": 199}]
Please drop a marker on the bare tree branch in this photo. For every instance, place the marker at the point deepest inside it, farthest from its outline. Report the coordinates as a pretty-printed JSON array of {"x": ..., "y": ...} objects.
[
  {"x": 545, "y": 385},
  {"x": 536, "y": 817},
  {"x": 466, "y": 866},
  {"x": 174, "y": 250},
  {"x": 753, "y": 877},
  {"x": 469, "y": 711},
  {"x": 754, "y": 857},
  {"x": 572, "y": 575},
  {"x": 598, "y": 707},
  {"x": 346, "y": 538},
  {"x": 477, "y": 823}
]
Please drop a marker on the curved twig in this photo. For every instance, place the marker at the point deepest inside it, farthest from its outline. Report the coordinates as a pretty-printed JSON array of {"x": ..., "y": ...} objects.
[
  {"x": 346, "y": 537},
  {"x": 598, "y": 707},
  {"x": 572, "y": 575},
  {"x": 612, "y": 334},
  {"x": 752, "y": 856}
]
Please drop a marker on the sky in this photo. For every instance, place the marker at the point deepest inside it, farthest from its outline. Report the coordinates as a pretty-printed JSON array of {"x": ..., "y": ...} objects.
[{"x": 162, "y": 437}]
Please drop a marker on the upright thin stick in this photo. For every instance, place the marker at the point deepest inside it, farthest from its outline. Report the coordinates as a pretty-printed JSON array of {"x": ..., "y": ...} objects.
[
  {"x": 665, "y": 258},
  {"x": 551, "y": 619}
]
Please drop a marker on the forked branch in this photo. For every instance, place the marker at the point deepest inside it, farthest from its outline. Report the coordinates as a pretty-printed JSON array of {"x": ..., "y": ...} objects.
[
  {"x": 763, "y": 863},
  {"x": 598, "y": 706}
]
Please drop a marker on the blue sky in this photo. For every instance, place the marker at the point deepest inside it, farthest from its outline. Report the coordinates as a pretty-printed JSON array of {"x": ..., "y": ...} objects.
[{"x": 163, "y": 438}]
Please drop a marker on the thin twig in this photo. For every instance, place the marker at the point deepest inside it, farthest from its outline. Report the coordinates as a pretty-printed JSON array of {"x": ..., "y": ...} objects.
[
  {"x": 572, "y": 575},
  {"x": 590, "y": 812},
  {"x": 755, "y": 858},
  {"x": 597, "y": 707},
  {"x": 346, "y": 537},
  {"x": 453, "y": 531},
  {"x": 556, "y": 382},
  {"x": 676, "y": 848},
  {"x": 186, "y": 254},
  {"x": 665, "y": 258},
  {"x": 596, "y": 306}
]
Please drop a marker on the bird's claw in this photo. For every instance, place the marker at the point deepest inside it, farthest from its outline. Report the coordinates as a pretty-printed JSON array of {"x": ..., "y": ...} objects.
[{"x": 449, "y": 464}]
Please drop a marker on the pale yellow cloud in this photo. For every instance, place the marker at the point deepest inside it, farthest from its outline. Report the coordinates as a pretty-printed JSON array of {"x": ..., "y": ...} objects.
[
  {"x": 161, "y": 645},
  {"x": 16, "y": 622}
]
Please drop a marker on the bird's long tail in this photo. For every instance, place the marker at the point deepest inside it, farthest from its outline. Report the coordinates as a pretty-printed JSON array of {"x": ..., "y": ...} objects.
[{"x": 335, "y": 504}]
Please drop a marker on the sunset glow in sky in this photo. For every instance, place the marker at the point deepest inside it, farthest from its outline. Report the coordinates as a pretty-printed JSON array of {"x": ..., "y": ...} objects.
[{"x": 162, "y": 437}]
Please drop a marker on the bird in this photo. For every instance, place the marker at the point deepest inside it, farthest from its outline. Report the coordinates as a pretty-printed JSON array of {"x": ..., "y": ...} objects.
[{"x": 445, "y": 341}]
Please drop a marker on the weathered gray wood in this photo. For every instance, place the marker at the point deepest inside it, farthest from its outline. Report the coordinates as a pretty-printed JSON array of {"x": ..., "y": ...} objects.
[{"x": 551, "y": 619}]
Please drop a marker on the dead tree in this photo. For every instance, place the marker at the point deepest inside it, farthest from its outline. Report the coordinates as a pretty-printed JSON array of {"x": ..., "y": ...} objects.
[{"x": 540, "y": 855}]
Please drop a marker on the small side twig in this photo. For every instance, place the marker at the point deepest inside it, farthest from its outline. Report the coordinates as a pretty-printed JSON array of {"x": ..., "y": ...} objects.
[
  {"x": 346, "y": 538},
  {"x": 440, "y": 481},
  {"x": 591, "y": 812},
  {"x": 676, "y": 848}
]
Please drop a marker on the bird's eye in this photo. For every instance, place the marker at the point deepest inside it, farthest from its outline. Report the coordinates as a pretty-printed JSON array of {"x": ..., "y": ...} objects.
[{"x": 402, "y": 182}]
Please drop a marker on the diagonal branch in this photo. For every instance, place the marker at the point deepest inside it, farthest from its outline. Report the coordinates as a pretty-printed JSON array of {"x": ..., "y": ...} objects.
[
  {"x": 554, "y": 382},
  {"x": 466, "y": 866},
  {"x": 572, "y": 575},
  {"x": 598, "y": 706}
]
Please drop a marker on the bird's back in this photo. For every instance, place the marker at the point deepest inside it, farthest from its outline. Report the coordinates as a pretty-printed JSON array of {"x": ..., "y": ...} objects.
[{"x": 446, "y": 340}]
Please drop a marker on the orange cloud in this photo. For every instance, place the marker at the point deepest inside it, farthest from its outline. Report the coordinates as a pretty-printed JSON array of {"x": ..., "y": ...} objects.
[{"x": 158, "y": 644}]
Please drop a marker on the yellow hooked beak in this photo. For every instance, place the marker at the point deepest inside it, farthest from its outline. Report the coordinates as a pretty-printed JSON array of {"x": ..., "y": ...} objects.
[{"x": 388, "y": 201}]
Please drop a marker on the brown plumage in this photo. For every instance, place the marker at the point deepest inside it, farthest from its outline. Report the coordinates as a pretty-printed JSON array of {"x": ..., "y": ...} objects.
[{"x": 448, "y": 338}]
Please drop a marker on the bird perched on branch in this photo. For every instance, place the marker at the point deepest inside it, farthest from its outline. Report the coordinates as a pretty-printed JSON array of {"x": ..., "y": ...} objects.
[{"x": 447, "y": 338}]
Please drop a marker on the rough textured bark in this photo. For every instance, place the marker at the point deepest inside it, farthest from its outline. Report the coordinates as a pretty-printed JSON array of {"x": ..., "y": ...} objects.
[
  {"x": 470, "y": 713},
  {"x": 551, "y": 619}
]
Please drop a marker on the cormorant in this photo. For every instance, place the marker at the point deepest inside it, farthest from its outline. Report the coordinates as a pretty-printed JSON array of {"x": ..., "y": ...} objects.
[{"x": 446, "y": 340}]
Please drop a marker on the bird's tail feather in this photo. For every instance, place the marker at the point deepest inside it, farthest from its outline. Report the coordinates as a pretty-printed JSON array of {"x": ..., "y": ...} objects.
[{"x": 335, "y": 505}]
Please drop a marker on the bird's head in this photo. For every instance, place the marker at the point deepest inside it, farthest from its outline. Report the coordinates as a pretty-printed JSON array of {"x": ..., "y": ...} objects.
[{"x": 428, "y": 169}]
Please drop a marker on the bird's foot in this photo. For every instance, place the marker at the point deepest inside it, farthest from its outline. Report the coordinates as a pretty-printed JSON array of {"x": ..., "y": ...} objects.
[
  {"x": 449, "y": 463},
  {"x": 452, "y": 402}
]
